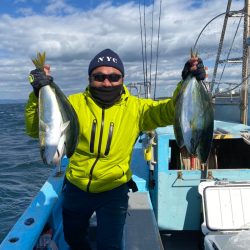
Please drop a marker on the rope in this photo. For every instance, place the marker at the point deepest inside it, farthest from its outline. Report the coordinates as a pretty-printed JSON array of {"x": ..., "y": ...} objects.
[
  {"x": 145, "y": 46},
  {"x": 229, "y": 90},
  {"x": 237, "y": 29},
  {"x": 196, "y": 42},
  {"x": 142, "y": 52},
  {"x": 157, "y": 51},
  {"x": 151, "y": 46}
]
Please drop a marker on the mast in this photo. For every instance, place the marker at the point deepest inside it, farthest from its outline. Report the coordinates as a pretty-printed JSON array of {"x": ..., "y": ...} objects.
[{"x": 244, "y": 89}]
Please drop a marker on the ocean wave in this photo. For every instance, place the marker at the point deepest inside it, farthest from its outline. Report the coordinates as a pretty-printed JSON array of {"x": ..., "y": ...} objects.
[{"x": 22, "y": 170}]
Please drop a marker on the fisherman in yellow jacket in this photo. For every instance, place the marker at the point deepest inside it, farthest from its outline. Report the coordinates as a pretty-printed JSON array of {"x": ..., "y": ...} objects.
[{"x": 98, "y": 177}]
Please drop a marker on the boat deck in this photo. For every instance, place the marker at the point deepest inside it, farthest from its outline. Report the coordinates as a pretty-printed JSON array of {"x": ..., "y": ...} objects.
[{"x": 141, "y": 231}]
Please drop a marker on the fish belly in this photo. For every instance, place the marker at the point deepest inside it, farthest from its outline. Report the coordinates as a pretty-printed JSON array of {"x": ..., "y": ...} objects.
[{"x": 50, "y": 123}]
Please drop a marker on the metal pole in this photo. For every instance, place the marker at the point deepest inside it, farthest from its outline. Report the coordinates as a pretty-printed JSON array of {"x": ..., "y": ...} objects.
[
  {"x": 220, "y": 43},
  {"x": 244, "y": 89}
]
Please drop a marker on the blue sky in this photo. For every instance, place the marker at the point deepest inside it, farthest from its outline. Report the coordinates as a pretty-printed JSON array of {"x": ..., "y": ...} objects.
[
  {"x": 72, "y": 32},
  {"x": 18, "y": 8}
]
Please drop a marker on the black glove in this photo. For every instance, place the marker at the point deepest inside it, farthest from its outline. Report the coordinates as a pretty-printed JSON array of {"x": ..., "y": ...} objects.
[
  {"x": 39, "y": 79},
  {"x": 199, "y": 72}
]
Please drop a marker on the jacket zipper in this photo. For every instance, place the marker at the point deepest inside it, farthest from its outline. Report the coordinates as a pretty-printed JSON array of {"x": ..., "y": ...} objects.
[
  {"x": 92, "y": 138},
  {"x": 99, "y": 151},
  {"x": 110, "y": 135}
]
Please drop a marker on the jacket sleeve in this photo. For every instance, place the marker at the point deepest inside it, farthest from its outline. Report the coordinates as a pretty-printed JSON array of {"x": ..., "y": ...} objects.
[
  {"x": 31, "y": 116},
  {"x": 158, "y": 113}
]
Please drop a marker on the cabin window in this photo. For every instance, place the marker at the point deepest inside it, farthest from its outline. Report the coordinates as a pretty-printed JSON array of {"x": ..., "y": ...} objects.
[{"x": 224, "y": 154}]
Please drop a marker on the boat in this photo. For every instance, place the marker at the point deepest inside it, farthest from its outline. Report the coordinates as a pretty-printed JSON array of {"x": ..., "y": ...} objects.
[{"x": 172, "y": 208}]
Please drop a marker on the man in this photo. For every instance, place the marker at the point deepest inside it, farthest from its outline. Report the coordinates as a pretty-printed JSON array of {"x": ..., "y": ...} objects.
[{"x": 99, "y": 174}]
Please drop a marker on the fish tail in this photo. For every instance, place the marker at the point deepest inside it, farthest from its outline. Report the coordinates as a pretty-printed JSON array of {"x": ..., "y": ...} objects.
[
  {"x": 39, "y": 61},
  {"x": 193, "y": 53}
]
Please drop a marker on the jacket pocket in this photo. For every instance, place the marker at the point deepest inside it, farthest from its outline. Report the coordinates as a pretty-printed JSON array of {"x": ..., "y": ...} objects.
[
  {"x": 110, "y": 135},
  {"x": 110, "y": 174},
  {"x": 92, "y": 136}
]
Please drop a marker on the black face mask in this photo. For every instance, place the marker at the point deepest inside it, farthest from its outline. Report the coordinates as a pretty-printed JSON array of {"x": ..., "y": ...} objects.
[{"x": 106, "y": 96}]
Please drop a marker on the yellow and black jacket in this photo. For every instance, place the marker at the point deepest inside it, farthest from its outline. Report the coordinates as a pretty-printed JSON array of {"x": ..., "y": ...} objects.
[{"x": 102, "y": 158}]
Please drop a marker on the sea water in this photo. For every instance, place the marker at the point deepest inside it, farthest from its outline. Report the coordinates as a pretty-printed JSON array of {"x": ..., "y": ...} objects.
[{"x": 22, "y": 172}]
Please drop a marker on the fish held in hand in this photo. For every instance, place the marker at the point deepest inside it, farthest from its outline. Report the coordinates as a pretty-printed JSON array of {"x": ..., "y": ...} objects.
[
  {"x": 58, "y": 122},
  {"x": 194, "y": 119}
]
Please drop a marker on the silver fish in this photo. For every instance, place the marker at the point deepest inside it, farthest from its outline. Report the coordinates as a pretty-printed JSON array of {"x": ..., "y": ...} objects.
[
  {"x": 58, "y": 125},
  {"x": 194, "y": 119},
  {"x": 58, "y": 122}
]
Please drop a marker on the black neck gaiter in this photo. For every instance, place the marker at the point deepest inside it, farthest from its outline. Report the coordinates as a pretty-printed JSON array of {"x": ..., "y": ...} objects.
[{"x": 106, "y": 96}]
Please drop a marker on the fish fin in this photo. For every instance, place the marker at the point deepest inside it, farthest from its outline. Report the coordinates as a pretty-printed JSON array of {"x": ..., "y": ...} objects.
[
  {"x": 41, "y": 58},
  {"x": 34, "y": 61},
  {"x": 39, "y": 61},
  {"x": 193, "y": 53},
  {"x": 64, "y": 126},
  {"x": 196, "y": 53}
]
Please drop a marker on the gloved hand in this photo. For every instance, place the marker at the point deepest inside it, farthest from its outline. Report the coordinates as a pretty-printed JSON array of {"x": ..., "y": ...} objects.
[
  {"x": 195, "y": 67},
  {"x": 39, "y": 79}
]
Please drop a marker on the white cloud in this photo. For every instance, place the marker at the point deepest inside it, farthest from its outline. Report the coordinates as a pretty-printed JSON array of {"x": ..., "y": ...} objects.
[
  {"x": 59, "y": 7},
  {"x": 72, "y": 37}
]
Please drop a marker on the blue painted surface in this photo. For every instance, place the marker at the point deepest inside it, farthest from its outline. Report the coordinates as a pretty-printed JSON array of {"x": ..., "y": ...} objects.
[
  {"x": 233, "y": 128},
  {"x": 179, "y": 204},
  {"x": 176, "y": 205},
  {"x": 231, "y": 174},
  {"x": 139, "y": 167}
]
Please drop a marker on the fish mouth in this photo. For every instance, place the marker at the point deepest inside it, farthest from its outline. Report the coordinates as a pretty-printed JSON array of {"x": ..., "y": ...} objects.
[{"x": 50, "y": 155}]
